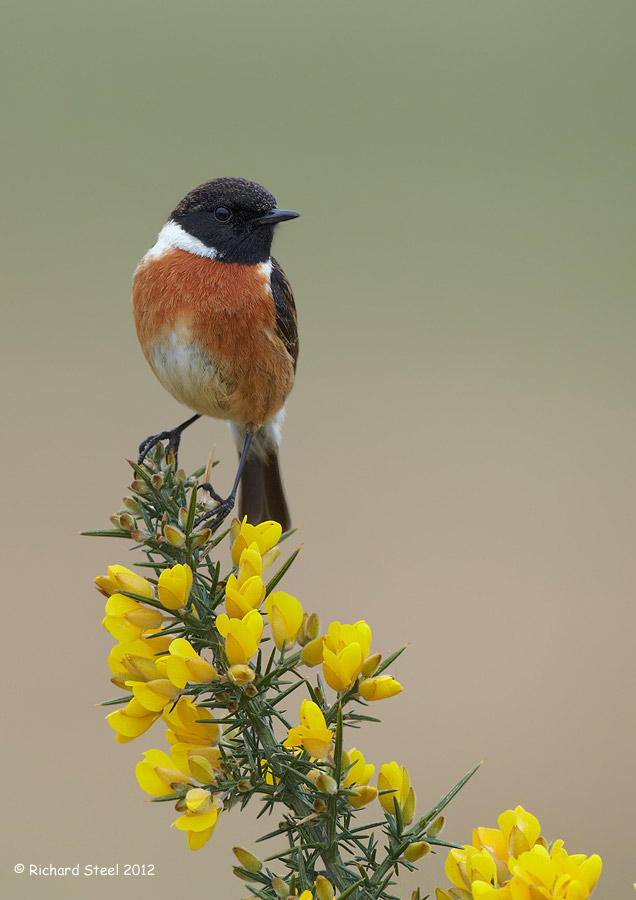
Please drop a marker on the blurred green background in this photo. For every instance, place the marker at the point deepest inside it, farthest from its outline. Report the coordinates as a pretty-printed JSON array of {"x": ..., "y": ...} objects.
[{"x": 459, "y": 449}]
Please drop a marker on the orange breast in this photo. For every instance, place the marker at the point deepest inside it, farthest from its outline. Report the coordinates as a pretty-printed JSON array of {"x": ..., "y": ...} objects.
[{"x": 207, "y": 329}]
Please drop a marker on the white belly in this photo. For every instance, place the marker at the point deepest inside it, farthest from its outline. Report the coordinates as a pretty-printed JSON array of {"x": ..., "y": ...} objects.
[{"x": 194, "y": 377}]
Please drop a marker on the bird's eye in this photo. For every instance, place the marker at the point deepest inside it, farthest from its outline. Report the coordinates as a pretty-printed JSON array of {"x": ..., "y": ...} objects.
[{"x": 222, "y": 214}]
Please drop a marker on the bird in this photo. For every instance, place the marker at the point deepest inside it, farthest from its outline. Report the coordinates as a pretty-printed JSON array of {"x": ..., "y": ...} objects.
[{"x": 216, "y": 319}]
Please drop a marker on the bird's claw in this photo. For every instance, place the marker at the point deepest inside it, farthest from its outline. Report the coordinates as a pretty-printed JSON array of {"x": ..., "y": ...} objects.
[
  {"x": 173, "y": 437},
  {"x": 223, "y": 508}
]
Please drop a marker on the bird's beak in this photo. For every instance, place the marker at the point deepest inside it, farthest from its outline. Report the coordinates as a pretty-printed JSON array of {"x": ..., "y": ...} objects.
[{"x": 274, "y": 216}]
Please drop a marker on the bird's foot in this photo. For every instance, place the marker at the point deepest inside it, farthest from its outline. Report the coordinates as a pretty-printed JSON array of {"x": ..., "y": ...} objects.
[
  {"x": 223, "y": 508},
  {"x": 173, "y": 437}
]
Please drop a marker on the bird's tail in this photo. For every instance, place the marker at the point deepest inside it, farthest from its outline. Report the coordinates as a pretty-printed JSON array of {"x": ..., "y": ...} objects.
[{"x": 261, "y": 494}]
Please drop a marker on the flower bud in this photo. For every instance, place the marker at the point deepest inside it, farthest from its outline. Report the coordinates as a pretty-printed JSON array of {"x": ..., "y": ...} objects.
[
  {"x": 370, "y": 664},
  {"x": 180, "y": 475},
  {"x": 247, "y": 860},
  {"x": 114, "y": 520},
  {"x": 251, "y": 690},
  {"x": 137, "y": 535},
  {"x": 232, "y": 706},
  {"x": 157, "y": 481},
  {"x": 174, "y": 535},
  {"x": 241, "y": 673},
  {"x": 417, "y": 850},
  {"x": 201, "y": 769},
  {"x": 200, "y": 538},
  {"x": 139, "y": 486},
  {"x": 312, "y": 626},
  {"x": 131, "y": 505},
  {"x": 408, "y": 810},
  {"x": 183, "y": 516},
  {"x": 435, "y": 827},
  {"x": 379, "y": 688},
  {"x": 242, "y": 875},
  {"x": 326, "y": 783},
  {"x": 324, "y": 888},
  {"x": 126, "y": 521},
  {"x": 270, "y": 557},
  {"x": 280, "y": 888},
  {"x": 319, "y": 805},
  {"x": 309, "y": 630},
  {"x": 243, "y": 786}
]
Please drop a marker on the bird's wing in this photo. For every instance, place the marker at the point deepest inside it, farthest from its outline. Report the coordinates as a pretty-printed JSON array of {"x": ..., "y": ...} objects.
[{"x": 286, "y": 320}]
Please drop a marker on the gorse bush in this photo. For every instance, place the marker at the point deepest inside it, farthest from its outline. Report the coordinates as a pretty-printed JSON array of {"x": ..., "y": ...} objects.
[{"x": 259, "y": 703}]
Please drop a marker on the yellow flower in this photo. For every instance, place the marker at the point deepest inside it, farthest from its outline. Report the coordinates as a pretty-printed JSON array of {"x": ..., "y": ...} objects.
[
  {"x": 285, "y": 616},
  {"x": 201, "y": 762},
  {"x": 157, "y": 772},
  {"x": 514, "y": 863},
  {"x": 136, "y": 660},
  {"x": 265, "y": 536},
  {"x": 127, "y": 620},
  {"x": 174, "y": 586},
  {"x": 241, "y": 635},
  {"x": 357, "y": 777},
  {"x": 379, "y": 688},
  {"x": 250, "y": 563},
  {"x": 131, "y": 721},
  {"x": 184, "y": 725},
  {"x": 312, "y": 733},
  {"x": 554, "y": 875},
  {"x": 518, "y": 831},
  {"x": 154, "y": 695},
  {"x": 312, "y": 652},
  {"x": 120, "y": 578},
  {"x": 342, "y": 651},
  {"x": 184, "y": 664},
  {"x": 241, "y": 597},
  {"x": 342, "y": 669},
  {"x": 200, "y": 817},
  {"x": 469, "y": 866},
  {"x": 396, "y": 779},
  {"x": 148, "y": 647},
  {"x": 340, "y": 636}
]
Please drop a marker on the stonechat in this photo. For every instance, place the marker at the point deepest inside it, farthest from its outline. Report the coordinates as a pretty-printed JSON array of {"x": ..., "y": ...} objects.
[{"x": 216, "y": 320}]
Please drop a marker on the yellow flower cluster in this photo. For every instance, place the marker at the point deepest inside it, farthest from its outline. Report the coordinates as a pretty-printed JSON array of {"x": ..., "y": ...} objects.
[
  {"x": 254, "y": 550},
  {"x": 194, "y": 757},
  {"x": 156, "y": 668},
  {"x": 514, "y": 862},
  {"x": 393, "y": 781},
  {"x": 155, "y": 681},
  {"x": 344, "y": 654}
]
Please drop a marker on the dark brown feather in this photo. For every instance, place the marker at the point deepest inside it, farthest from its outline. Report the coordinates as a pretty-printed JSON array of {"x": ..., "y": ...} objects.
[
  {"x": 286, "y": 318},
  {"x": 261, "y": 495}
]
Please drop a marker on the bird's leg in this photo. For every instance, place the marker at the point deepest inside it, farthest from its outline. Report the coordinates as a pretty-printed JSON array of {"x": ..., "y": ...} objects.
[
  {"x": 226, "y": 505},
  {"x": 173, "y": 437}
]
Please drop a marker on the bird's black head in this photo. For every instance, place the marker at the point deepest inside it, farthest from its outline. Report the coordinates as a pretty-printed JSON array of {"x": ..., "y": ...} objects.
[{"x": 234, "y": 216}]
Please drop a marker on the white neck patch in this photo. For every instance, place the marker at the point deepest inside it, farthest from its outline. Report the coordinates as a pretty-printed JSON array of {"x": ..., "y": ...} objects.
[{"x": 173, "y": 237}]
